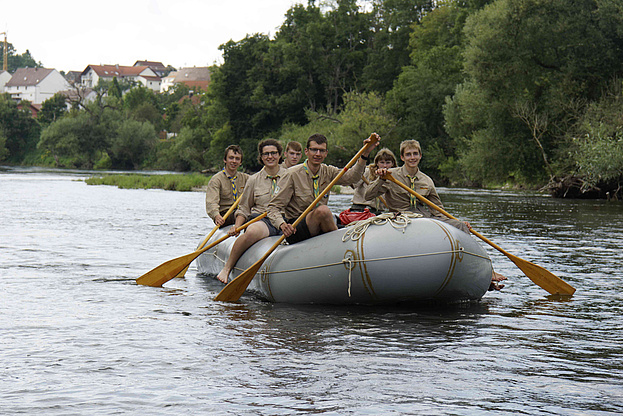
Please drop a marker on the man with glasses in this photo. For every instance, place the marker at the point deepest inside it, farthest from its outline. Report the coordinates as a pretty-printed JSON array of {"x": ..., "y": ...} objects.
[{"x": 302, "y": 184}]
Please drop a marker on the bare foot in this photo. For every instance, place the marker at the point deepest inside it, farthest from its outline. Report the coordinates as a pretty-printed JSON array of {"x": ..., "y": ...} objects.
[
  {"x": 495, "y": 278},
  {"x": 222, "y": 276}
]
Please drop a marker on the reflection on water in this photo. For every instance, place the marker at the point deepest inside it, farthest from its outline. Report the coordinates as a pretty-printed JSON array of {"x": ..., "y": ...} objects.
[{"x": 80, "y": 337}]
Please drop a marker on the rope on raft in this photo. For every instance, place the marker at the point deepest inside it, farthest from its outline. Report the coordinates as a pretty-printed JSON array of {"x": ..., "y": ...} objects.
[{"x": 398, "y": 220}]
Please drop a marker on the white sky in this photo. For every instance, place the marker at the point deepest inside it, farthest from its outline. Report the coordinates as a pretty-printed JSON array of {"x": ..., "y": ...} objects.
[{"x": 68, "y": 35}]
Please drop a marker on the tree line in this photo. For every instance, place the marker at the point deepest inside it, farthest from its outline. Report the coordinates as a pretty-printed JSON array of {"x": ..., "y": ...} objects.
[{"x": 504, "y": 92}]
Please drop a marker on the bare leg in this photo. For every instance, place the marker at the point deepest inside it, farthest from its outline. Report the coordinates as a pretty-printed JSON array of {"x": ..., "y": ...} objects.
[
  {"x": 320, "y": 221},
  {"x": 254, "y": 233}
]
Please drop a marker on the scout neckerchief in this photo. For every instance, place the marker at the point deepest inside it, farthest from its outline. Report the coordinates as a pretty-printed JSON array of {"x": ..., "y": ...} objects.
[
  {"x": 273, "y": 186},
  {"x": 315, "y": 178},
  {"x": 232, "y": 179},
  {"x": 412, "y": 199}
]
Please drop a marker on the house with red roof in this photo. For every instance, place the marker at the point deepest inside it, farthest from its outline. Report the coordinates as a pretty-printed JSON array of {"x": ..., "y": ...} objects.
[{"x": 142, "y": 75}]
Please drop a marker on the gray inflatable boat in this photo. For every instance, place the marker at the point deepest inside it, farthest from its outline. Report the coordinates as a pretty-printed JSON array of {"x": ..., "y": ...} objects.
[{"x": 383, "y": 260}]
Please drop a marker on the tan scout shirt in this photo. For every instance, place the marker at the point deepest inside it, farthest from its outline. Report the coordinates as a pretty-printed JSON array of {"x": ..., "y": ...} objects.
[
  {"x": 296, "y": 190},
  {"x": 360, "y": 190},
  {"x": 399, "y": 199},
  {"x": 220, "y": 195},
  {"x": 257, "y": 193}
]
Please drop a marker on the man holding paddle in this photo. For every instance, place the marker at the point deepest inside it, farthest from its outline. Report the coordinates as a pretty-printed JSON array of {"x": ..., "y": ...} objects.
[
  {"x": 398, "y": 199},
  {"x": 303, "y": 183},
  {"x": 225, "y": 187}
]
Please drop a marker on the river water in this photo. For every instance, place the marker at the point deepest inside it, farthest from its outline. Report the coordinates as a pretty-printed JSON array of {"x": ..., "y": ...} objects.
[{"x": 79, "y": 337}]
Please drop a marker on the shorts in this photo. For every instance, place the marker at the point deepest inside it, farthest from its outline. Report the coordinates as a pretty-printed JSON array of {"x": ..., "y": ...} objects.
[
  {"x": 229, "y": 220},
  {"x": 272, "y": 231},
  {"x": 302, "y": 232}
]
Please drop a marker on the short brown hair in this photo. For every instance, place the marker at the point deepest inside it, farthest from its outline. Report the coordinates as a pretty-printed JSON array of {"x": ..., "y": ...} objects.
[
  {"x": 385, "y": 154},
  {"x": 296, "y": 146},
  {"x": 318, "y": 138},
  {"x": 410, "y": 143},
  {"x": 268, "y": 142},
  {"x": 234, "y": 148}
]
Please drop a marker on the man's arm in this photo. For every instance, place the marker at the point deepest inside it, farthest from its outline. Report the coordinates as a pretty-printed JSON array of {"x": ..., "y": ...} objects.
[{"x": 213, "y": 198}]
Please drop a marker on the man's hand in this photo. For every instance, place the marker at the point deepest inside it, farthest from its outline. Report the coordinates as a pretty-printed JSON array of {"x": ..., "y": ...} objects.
[
  {"x": 287, "y": 229},
  {"x": 368, "y": 140},
  {"x": 218, "y": 220}
]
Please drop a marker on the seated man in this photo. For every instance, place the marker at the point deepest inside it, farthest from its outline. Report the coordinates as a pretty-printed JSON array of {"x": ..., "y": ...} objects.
[
  {"x": 225, "y": 187},
  {"x": 302, "y": 184},
  {"x": 292, "y": 155},
  {"x": 258, "y": 192},
  {"x": 400, "y": 200}
]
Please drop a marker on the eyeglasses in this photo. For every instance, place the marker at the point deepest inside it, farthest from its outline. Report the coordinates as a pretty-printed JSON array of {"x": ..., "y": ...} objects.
[
  {"x": 270, "y": 154},
  {"x": 313, "y": 150}
]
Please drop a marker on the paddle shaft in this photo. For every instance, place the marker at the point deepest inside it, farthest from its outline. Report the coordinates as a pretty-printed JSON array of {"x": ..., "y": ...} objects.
[
  {"x": 234, "y": 289},
  {"x": 168, "y": 270},
  {"x": 216, "y": 227},
  {"x": 540, "y": 276}
]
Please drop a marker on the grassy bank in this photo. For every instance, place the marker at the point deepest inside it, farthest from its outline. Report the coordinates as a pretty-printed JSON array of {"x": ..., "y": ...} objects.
[{"x": 169, "y": 182}]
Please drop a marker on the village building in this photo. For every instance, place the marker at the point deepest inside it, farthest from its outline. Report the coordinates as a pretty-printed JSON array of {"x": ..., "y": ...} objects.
[
  {"x": 5, "y": 76},
  {"x": 195, "y": 78},
  {"x": 158, "y": 67},
  {"x": 142, "y": 75},
  {"x": 35, "y": 84}
]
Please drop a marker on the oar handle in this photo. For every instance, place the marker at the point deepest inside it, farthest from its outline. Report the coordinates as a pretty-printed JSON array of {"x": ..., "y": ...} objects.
[{"x": 229, "y": 211}]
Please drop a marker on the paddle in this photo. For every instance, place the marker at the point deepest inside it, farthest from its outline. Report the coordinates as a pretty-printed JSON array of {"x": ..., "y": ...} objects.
[
  {"x": 236, "y": 287},
  {"x": 168, "y": 270},
  {"x": 200, "y": 246},
  {"x": 543, "y": 278}
]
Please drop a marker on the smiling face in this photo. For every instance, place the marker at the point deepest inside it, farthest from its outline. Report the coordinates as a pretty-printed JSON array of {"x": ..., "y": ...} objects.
[
  {"x": 233, "y": 161},
  {"x": 411, "y": 157},
  {"x": 270, "y": 156},
  {"x": 316, "y": 153}
]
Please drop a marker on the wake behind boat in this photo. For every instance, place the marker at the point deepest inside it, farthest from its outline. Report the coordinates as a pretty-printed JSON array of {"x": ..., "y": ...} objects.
[{"x": 383, "y": 260}]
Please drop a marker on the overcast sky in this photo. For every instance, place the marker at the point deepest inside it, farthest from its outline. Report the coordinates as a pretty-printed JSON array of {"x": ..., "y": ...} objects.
[{"x": 68, "y": 35}]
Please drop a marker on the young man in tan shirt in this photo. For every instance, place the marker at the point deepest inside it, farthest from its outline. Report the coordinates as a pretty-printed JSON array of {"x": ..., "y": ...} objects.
[
  {"x": 302, "y": 184},
  {"x": 400, "y": 200},
  {"x": 225, "y": 187},
  {"x": 292, "y": 155}
]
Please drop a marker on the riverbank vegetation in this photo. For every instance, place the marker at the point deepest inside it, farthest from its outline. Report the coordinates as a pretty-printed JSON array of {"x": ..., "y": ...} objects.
[
  {"x": 498, "y": 92},
  {"x": 169, "y": 182}
]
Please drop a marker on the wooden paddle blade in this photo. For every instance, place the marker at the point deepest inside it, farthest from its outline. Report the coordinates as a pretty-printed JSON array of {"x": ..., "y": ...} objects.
[
  {"x": 183, "y": 272},
  {"x": 166, "y": 271},
  {"x": 542, "y": 277}
]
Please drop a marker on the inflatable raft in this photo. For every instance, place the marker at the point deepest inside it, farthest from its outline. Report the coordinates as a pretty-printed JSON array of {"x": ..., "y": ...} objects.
[{"x": 383, "y": 260}]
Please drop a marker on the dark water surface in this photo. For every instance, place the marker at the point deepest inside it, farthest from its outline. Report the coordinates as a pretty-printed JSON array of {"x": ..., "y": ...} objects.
[{"x": 79, "y": 337}]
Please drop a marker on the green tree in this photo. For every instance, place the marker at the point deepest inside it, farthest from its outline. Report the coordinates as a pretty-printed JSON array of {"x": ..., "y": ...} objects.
[
  {"x": 131, "y": 143},
  {"x": 19, "y": 129},
  {"x": 17, "y": 61},
  {"x": 531, "y": 66},
  {"x": 52, "y": 109}
]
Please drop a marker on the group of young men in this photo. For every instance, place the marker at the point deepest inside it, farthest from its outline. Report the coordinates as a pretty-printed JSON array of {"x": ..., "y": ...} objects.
[{"x": 285, "y": 190}]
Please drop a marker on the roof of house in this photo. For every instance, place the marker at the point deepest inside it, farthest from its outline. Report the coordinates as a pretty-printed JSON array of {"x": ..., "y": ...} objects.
[
  {"x": 201, "y": 73},
  {"x": 27, "y": 77},
  {"x": 108, "y": 71},
  {"x": 151, "y": 64}
]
